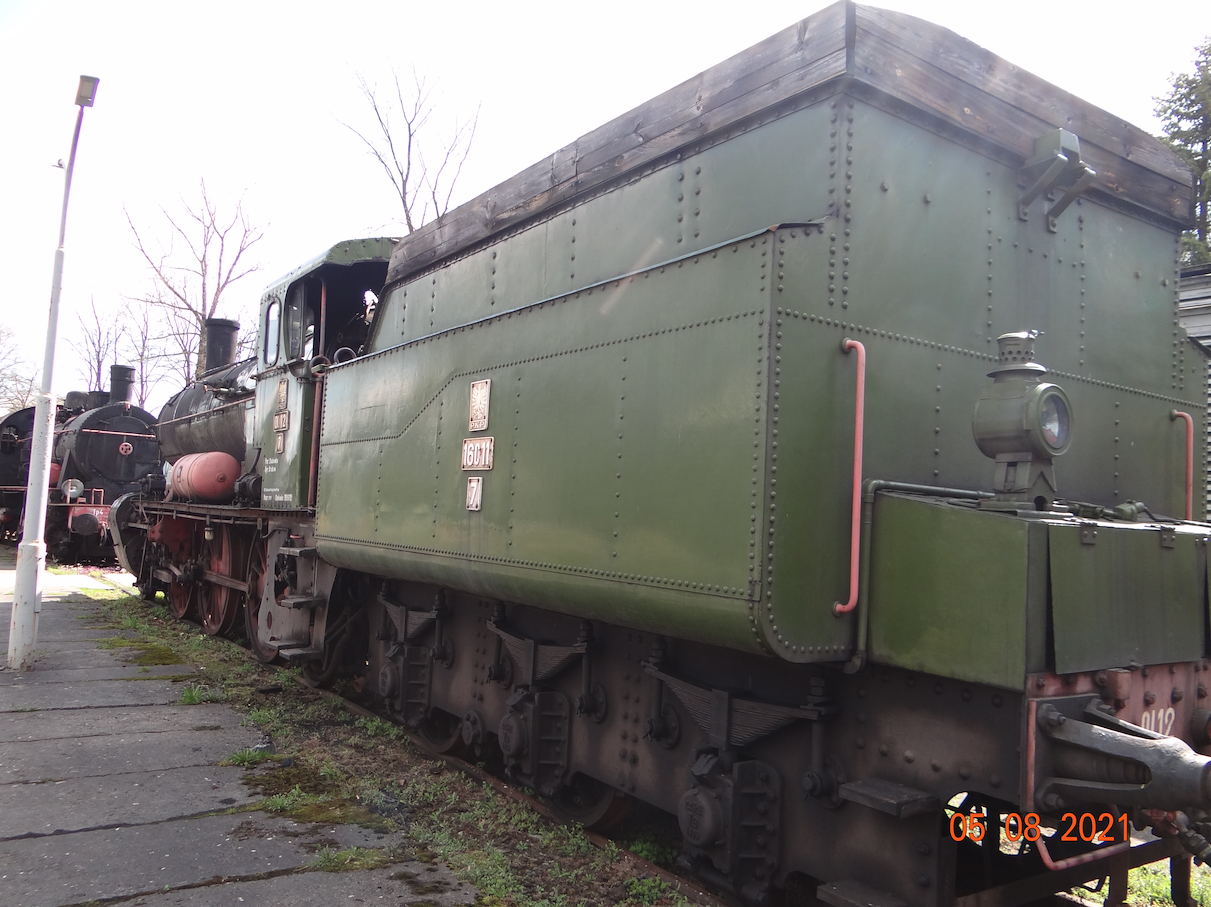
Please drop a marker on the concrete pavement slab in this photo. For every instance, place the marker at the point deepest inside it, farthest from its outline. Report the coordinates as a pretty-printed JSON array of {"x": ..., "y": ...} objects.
[
  {"x": 89, "y": 757},
  {"x": 75, "y": 675},
  {"x": 51, "y": 725},
  {"x": 403, "y": 883},
  {"x": 137, "y": 798},
  {"x": 137, "y": 807},
  {"x": 97, "y": 694},
  {"x": 76, "y": 654},
  {"x": 120, "y": 862},
  {"x": 73, "y": 631},
  {"x": 54, "y": 584}
]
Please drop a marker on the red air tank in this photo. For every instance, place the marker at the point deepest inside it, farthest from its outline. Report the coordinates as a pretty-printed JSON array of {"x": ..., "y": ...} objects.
[{"x": 204, "y": 477}]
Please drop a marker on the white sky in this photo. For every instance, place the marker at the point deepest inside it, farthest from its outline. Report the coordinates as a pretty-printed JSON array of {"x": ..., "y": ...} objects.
[{"x": 252, "y": 95}]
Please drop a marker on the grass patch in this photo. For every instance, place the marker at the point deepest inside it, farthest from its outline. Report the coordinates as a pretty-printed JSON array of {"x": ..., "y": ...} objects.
[
  {"x": 653, "y": 851},
  {"x": 292, "y": 801},
  {"x": 118, "y": 642},
  {"x": 305, "y": 795},
  {"x": 152, "y": 654},
  {"x": 1148, "y": 886},
  {"x": 352, "y": 859},
  {"x": 249, "y": 758},
  {"x": 379, "y": 727},
  {"x": 650, "y": 891},
  {"x": 196, "y": 694},
  {"x": 140, "y": 651}
]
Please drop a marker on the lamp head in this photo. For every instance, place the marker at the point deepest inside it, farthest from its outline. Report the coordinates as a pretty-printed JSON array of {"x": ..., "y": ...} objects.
[{"x": 87, "y": 92}]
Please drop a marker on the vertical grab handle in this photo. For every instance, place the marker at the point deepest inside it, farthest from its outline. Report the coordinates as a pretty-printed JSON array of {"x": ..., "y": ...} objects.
[
  {"x": 1175, "y": 414},
  {"x": 855, "y": 521}
]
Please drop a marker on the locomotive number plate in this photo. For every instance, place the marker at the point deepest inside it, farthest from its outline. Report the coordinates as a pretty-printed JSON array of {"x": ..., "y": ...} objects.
[
  {"x": 281, "y": 421},
  {"x": 475, "y": 492},
  {"x": 477, "y": 453},
  {"x": 480, "y": 392}
]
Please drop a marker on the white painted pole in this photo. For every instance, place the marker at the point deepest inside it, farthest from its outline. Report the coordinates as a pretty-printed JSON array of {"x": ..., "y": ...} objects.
[{"x": 31, "y": 553}]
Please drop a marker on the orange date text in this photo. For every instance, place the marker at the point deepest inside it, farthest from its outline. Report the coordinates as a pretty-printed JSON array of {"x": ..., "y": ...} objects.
[{"x": 1105, "y": 828}]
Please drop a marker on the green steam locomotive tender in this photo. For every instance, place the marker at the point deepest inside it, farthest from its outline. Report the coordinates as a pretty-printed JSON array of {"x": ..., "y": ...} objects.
[{"x": 807, "y": 452}]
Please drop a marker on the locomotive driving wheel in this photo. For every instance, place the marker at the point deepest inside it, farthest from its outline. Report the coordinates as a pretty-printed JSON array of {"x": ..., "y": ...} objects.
[
  {"x": 257, "y": 570},
  {"x": 182, "y": 600},
  {"x": 226, "y": 555}
]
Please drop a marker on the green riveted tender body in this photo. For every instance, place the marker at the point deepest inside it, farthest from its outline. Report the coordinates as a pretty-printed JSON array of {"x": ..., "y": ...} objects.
[
  {"x": 803, "y": 452},
  {"x": 672, "y": 415}
]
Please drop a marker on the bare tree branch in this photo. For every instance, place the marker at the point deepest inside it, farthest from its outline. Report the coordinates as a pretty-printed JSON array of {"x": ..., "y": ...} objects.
[
  {"x": 97, "y": 343},
  {"x": 398, "y": 149},
  {"x": 190, "y": 287},
  {"x": 18, "y": 377},
  {"x": 144, "y": 348}
]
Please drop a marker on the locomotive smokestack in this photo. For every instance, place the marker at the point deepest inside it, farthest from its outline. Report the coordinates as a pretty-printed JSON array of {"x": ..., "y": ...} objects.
[
  {"x": 220, "y": 342},
  {"x": 121, "y": 377}
]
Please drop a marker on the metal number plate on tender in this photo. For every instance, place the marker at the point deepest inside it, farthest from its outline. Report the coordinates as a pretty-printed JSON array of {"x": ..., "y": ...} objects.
[
  {"x": 477, "y": 453},
  {"x": 480, "y": 393},
  {"x": 282, "y": 385},
  {"x": 281, "y": 421},
  {"x": 475, "y": 492}
]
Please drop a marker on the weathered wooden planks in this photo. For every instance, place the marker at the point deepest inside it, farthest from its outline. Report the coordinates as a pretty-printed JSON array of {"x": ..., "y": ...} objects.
[
  {"x": 888, "y": 58},
  {"x": 939, "y": 73}
]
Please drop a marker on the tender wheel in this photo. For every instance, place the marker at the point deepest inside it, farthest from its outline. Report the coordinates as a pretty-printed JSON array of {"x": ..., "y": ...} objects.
[
  {"x": 588, "y": 802},
  {"x": 442, "y": 733},
  {"x": 265, "y": 654},
  {"x": 225, "y": 555}
]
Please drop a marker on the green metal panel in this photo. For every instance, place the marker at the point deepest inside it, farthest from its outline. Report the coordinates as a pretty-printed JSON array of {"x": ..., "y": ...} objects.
[
  {"x": 629, "y": 433},
  {"x": 284, "y": 471},
  {"x": 760, "y": 175},
  {"x": 949, "y": 591},
  {"x": 920, "y": 254},
  {"x": 1127, "y": 598}
]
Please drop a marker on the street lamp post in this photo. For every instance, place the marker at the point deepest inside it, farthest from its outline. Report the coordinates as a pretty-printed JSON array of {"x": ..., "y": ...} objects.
[{"x": 31, "y": 553}]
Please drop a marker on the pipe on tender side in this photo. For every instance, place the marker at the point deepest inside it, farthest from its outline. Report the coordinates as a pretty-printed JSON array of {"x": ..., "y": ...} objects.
[
  {"x": 855, "y": 521},
  {"x": 1176, "y": 414}
]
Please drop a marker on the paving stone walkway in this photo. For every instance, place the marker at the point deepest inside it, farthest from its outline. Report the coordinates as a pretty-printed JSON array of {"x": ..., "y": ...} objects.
[{"x": 110, "y": 791}]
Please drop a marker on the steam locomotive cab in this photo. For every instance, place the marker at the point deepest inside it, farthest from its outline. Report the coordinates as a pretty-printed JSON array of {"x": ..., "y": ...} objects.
[{"x": 316, "y": 316}]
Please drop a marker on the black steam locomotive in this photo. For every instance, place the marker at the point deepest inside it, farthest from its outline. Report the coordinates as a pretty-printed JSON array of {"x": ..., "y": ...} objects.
[{"x": 102, "y": 447}]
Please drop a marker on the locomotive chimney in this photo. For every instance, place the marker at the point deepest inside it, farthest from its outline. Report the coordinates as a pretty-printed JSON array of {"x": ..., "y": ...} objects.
[
  {"x": 121, "y": 377},
  {"x": 220, "y": 342}
]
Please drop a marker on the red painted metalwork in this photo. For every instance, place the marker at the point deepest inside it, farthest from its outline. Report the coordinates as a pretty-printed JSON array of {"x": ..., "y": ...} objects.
[{"x": 205, "y": 476}]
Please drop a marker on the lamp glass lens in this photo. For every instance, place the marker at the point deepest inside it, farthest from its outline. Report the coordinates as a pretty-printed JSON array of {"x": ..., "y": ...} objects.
[{"x": 1053, "y": 419}]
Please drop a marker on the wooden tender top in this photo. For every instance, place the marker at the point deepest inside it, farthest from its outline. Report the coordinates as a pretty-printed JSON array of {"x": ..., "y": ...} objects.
[{"x": 889, "y": 59}]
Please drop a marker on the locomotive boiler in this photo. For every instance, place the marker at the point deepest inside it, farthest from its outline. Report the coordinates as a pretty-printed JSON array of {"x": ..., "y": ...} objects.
[{"x": 807, "y": 452}]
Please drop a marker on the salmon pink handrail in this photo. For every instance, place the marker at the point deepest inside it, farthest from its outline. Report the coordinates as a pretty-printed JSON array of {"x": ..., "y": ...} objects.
[
  {"x": 1175, "y": 414},
  {"x": 856, "y": 509}
]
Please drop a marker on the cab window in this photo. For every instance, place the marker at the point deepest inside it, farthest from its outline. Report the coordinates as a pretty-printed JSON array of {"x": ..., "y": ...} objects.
[
  {"x": 272, "y": 327},
  {"x": 296, "y": 309}
]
